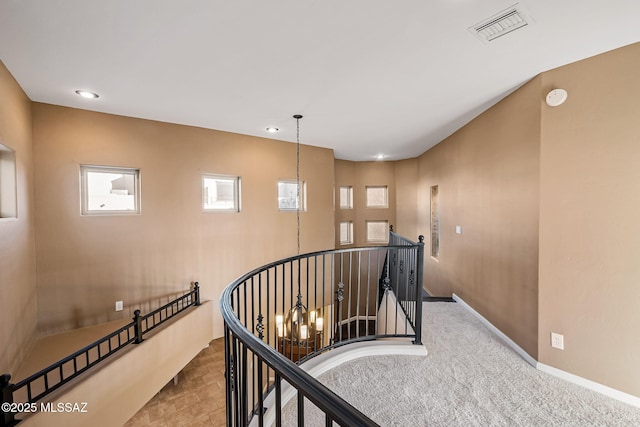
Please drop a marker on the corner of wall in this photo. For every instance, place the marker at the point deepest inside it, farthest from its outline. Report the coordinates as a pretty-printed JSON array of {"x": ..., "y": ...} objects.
[
  {"x": 18, "y": 317},
  {"x": 589, "y": 234}
]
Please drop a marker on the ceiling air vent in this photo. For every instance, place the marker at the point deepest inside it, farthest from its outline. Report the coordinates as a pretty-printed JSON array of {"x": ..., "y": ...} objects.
[{"x": 502, "y": 23}]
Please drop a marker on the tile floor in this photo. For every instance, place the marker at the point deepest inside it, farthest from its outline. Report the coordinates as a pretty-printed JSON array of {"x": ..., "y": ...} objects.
[{"x": 197, "y": 401}]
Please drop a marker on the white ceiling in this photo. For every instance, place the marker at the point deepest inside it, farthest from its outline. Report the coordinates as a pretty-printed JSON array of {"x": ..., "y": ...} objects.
[{"x": 369, "y": 76}]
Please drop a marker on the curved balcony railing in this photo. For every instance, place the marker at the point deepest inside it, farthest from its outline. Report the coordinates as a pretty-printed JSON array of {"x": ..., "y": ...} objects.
[{"x": 284, "y": 313}]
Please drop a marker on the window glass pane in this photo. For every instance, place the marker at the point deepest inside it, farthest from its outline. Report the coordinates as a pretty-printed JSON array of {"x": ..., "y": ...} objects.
[
  {"x": 435, "y": 223},
  {"x": 288, "y": 196},
  {"x": 377, "y": 197},
  {"x": 346, "y": 233},
  {"x": 346, "y": 197},
  {"x": 377, "y": 231},
  {"x": 106, "y": 189},
  {"x": 221, "y": 193},
  {"x": 8, "y": 196}
]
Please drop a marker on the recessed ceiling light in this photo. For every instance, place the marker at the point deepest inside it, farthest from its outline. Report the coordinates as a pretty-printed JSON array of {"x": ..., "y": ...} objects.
[
  {"x": 272, "y": 130},
  {"x": 87, "y": 94},
  {"x": 380, "y": 156}
]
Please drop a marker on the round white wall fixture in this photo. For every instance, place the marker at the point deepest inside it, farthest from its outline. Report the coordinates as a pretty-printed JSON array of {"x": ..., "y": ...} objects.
[{"x": 556, "y": 97}]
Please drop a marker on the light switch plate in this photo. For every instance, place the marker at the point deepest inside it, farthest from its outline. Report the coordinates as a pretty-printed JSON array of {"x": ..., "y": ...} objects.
[
  {"x": 119, "y": 305},
  {"x": 458, "y": 229},
  {"x": 557, "y": 341}
]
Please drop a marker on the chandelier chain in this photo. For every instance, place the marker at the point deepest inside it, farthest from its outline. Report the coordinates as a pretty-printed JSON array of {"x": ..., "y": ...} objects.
[{"x": 298, "y": 201}]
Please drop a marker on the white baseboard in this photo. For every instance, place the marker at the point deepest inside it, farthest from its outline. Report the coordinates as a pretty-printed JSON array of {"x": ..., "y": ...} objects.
[
  {"x": 572, "y": 378},
  {"x": 526, "y": 356},
  {"x": 591, "y": 385}
]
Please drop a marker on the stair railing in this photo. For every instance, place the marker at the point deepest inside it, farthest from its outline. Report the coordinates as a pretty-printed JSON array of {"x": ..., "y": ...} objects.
[{"x": 24, "y": 395}]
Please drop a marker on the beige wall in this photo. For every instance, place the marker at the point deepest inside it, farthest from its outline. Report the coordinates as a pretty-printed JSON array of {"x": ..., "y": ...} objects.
[
  {"x": 17, "y": 238},
  {"x": 407, "y": 200},
  {"x": 86, "y": 263},
  {"x": 589, "y": 220},
  {"x": 487, "y": 175}
]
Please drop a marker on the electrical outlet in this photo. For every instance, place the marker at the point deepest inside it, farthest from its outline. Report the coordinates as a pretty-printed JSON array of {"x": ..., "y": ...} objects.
[
  {"x": 557, "y": 341},
  {"x": 119, "y": 305}
]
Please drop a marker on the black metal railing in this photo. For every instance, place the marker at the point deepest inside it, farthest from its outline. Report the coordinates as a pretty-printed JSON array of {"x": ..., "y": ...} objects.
[
  {"x": 404, "y": 277},
  {"x": 284, "y": 313},
  {"x": 51, "y": 378}
]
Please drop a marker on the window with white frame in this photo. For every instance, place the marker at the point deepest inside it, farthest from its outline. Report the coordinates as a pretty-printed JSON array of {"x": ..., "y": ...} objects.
[
  {"x": 346, "y": 233},
  {"x": 8, "y": 190},
  {"x": 109, "y": 190},
  {"x": 346, "y": 197},
  {"x": 291, "y": 196},
  {"x": 377, "y": 196},
  {"x": 221, "y": 193},
  {"x": 377, "y": 231}
]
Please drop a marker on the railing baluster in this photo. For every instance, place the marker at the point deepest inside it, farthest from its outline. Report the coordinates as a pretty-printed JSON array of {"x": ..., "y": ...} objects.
[
  {"x": 300, "y": 409},
  {"x": 334, "y": 312},
  {"x": 284, "y": 310},
  {"x": 137, "y": 326},
  {"x": 288, "y": 333},
  {"x": 396, "y": 290},
  {"x": 379, "y": 269},
  {"x": 366, "y": 314},
  {"x": 359, "y": 272},
  {"x": 349, "y": 293},
  {"x": 419, "y": 273},
  {"x": 306, "y": 264},
  {"x": 268, "y": 317},
  {"x": 236, "y": 383},
  {"x": 228, "y": 373},
  {"x": 260, "y": 395},
  {"x": 278, "y": 380},
  {"x": 386, "y": 304},
  {"x": 405, "y": 295},
  {"x": 315, "y": 284},
  {"x": 6, "y": 393},
  {"x": 253, "y": 328},
  {"x": 324, "y": 313},
  {"x": 253, "y": 304},
  {"x": 244, "y": 407}
]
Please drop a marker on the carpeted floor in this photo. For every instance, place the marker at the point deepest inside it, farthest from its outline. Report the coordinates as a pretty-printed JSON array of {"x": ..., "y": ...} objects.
[{"x": 469, "y": 378}]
